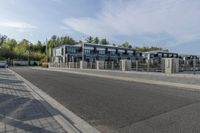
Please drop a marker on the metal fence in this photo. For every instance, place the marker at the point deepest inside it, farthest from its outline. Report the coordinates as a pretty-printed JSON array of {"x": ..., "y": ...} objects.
[
  {"x": 110, "y": 65},
  {"x": 190, "y": 66}
]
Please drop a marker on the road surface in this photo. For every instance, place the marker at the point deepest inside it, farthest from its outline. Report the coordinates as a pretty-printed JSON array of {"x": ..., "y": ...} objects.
[{"x": 119, "y": 106}]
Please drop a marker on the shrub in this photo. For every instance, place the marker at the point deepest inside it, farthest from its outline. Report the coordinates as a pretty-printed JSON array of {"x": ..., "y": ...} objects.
[{"x": 45, "y": 65}]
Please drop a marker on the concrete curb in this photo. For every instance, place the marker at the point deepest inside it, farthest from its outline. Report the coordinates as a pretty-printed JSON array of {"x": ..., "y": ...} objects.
[
  {"x": 197, "y": 76},
  {"x": 67, "y": 119},
  {"x": 180, "y": 85}
]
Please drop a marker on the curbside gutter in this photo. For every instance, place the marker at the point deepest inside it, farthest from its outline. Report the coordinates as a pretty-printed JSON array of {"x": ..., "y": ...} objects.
[
  {"x": 165, "y": 83},
  {"x": 67, "y": 119}
]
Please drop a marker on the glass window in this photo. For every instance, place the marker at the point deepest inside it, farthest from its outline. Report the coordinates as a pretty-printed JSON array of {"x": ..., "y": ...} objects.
[
  {"x": 101, "y": 51},
  {"x": 151, "y": 55},
  {"x": 87, "y": 51},
  {"x": 112, "y": 52},
  {"x": 71, "y": 50},
  {"x": 159, "y": 54}
]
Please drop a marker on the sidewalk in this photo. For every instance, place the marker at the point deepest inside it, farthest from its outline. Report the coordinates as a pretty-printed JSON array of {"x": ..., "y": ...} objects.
[
  {"x": 24, "y": 108},
  {"x": 20, "y": 110},
  {"x": 178, "y": 80}
]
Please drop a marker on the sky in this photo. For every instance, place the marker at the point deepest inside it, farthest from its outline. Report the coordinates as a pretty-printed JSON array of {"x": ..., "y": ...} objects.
[{"x": 170, "y": 24}]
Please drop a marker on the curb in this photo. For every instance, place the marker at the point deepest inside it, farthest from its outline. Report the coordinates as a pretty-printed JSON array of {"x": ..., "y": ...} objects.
[
  {"x": 139, "y": 80},
  {"x": 197, "y": 76},
  {"x": 67, "y": 119}
]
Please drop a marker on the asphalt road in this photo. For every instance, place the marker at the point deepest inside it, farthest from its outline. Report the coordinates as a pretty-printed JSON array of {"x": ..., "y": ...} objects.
[{"x": 119, "y": 106}]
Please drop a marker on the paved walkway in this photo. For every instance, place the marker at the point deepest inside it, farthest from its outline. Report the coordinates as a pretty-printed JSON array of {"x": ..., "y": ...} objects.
[{"x": 20, "y": 110}]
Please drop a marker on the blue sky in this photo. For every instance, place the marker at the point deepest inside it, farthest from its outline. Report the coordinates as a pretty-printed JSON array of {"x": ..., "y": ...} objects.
[{"x": 169, "y": 24}]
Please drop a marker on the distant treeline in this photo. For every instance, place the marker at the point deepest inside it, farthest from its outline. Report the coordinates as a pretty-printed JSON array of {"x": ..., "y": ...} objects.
[{"x": 23, "y": 50}]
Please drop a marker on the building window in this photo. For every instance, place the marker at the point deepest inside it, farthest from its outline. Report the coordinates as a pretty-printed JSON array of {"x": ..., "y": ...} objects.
[
  {"x": 175, "y": 55},
  {"x": 165, "y": 55},
  {"x": 159, "y": 54},
  {"x": 151, "y": 55},
  {"x": 71, "y": 50},
  {"x": 87, "y": 51},
  {"x": 112, "y": 52},
  {"x": 101, "y": 51}
]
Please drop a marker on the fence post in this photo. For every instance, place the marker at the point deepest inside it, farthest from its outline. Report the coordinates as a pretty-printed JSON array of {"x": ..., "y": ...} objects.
[
  {"x": 97, "y": 65},
  {"x": 123, "y": 65},
  {"x": 194, "y": 66},
  {"x": 148, "y": 65},
  {"x": 112, "y": 65},
  {"x": 136, "y": 65}
]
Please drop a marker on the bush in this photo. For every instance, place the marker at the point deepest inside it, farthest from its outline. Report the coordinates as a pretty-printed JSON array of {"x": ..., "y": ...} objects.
[{"x": 45, "y": 65}]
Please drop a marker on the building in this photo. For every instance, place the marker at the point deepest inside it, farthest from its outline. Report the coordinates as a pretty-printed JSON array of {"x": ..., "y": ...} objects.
[
  {"x": 188, "y": 59},
  {"x": 156, "y": 56},
  {"x": 93, "y": 52}
]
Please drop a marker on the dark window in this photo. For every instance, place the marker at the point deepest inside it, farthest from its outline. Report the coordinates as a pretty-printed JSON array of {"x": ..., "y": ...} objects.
[
  {"x": 87, "y": 51},
  {"x": 101, "y": 51}
]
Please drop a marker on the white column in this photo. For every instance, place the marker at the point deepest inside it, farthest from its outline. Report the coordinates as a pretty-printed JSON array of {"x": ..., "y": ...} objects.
[
  {"x": 123, "y": 65},
  {"x": 97, "y": 65}
]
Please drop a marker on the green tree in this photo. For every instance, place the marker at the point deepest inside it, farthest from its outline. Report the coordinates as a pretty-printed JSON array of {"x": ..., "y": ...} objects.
[
  {"x": 89, "y": 39},
  {"x": 104, "y": 42},
  {"x": 2, "y": 39},
  {"x": 96, "y": 40},
  {"x": 126, "y": 45},
  {"x": 22, "y": 50},
  {"x": 6, "y": 53},
  {"x": 67, "y": 40},
  {"x": 10, "y": 44}
]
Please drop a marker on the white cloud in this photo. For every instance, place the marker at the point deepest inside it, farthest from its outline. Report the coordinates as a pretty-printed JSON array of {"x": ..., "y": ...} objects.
[
  {"x": 178, "y": 20},
  {"x": 17, "y": 25}
]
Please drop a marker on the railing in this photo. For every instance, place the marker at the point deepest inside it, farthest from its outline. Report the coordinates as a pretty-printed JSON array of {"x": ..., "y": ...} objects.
[
  {"x": 191, "y": 66},
  {"x": 111, "y": 65}
]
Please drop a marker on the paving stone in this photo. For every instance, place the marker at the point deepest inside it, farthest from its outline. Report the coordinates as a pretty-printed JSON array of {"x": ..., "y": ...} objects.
[{"x": 20, "y": 112}]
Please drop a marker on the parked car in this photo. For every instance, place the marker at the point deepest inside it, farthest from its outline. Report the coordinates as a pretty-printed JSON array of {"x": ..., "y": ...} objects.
[{"x": 3, "y": 65}]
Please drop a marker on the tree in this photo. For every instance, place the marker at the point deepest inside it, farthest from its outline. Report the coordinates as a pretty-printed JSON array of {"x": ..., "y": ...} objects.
[
  {"x": 104, "y": 42},
  {"x": 89, "y": 39},
  {"x": 10, "y": 44},
  {"x": 22, "y": 50},
  {"x": 146, "y": 49},
  {"x": 2, "y": 39},
  {"x": 6, "y": 53},
  {"x": 96, "y": 40},
  {"x": 67, "y": 40},
  {"x": 126, "y": 45}
]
